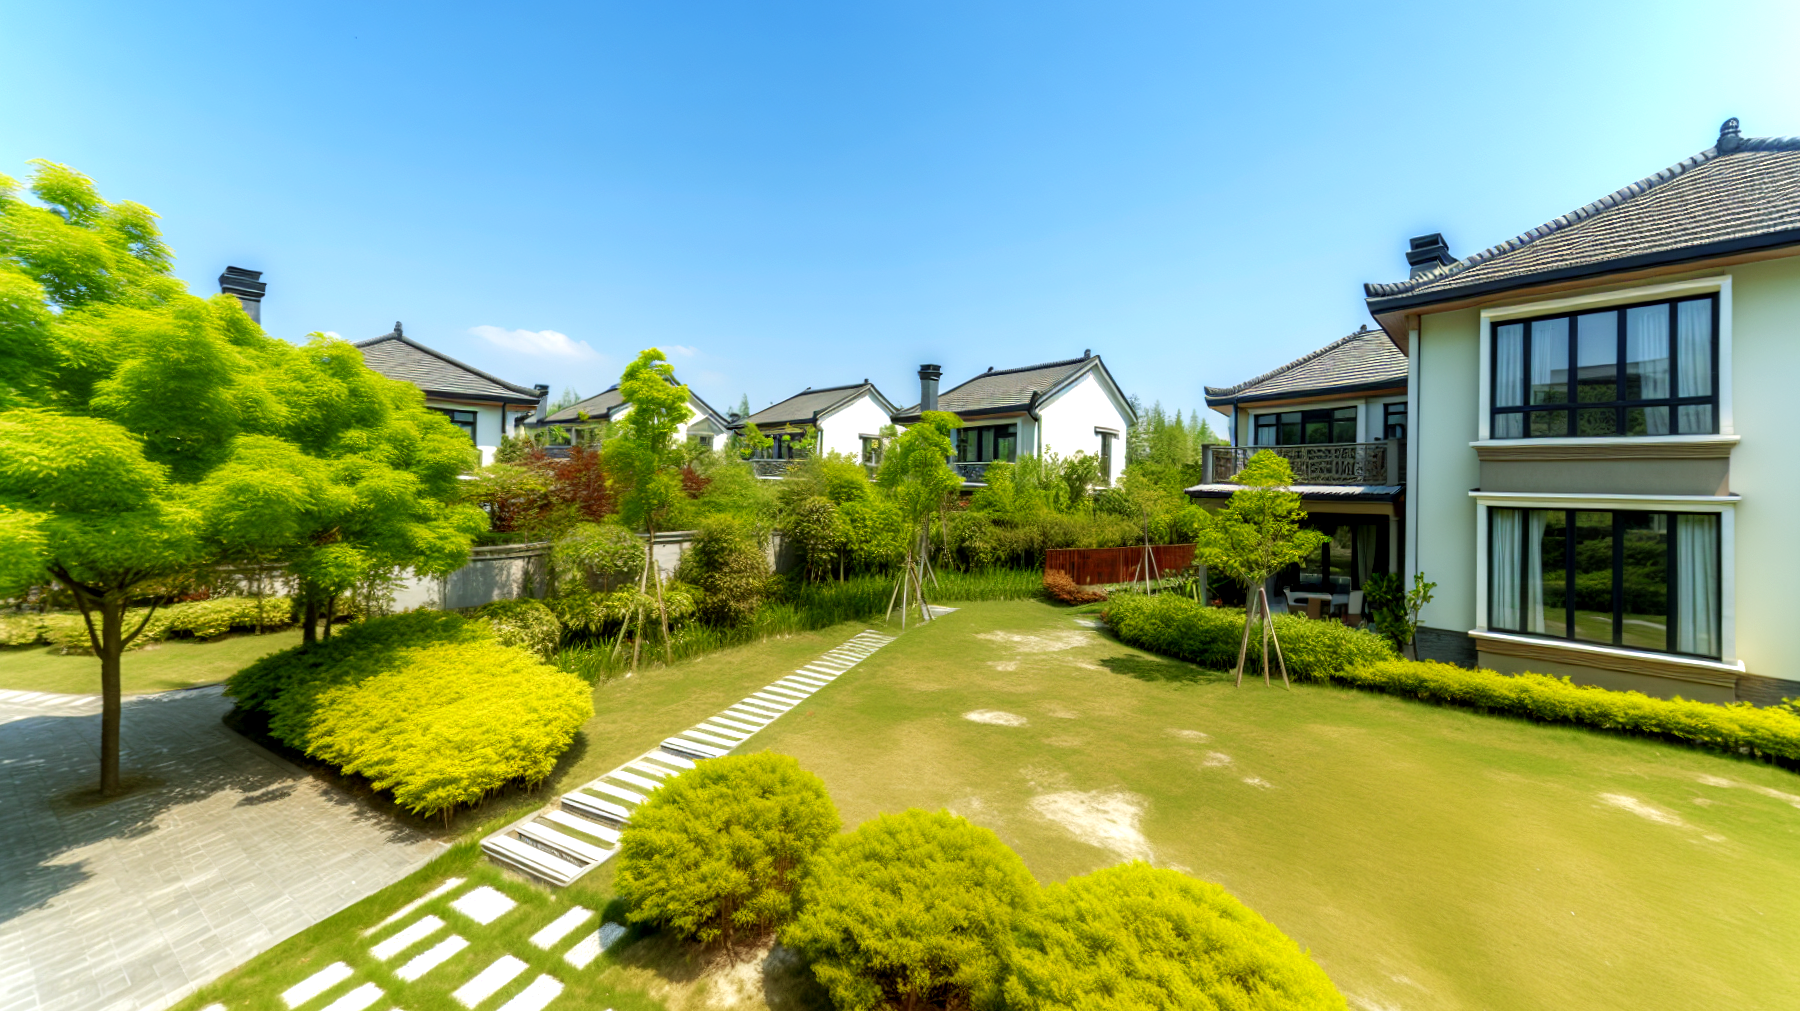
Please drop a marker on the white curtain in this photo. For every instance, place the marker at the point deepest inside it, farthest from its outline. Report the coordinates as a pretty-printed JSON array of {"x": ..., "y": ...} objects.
[
  {"x": 1365, "y": 552},
  {"x": 1647, "y": 356},
  {"x": 1503, "y": 568},
  {"x": 1509, "y": 366},
  {"x": 1534, "y": 570},
  {"x": 1697, "y": 583},
  {"x": 1694, "y": 346},
  {"x": 1549, "y": 359}
]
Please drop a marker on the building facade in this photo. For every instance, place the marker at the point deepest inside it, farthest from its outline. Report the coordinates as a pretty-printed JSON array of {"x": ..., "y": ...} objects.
[{"x": 482, "y": 405}]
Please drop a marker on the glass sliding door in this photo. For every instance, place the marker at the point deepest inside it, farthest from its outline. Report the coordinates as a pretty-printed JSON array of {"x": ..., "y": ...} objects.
[
  {"x": 1593, "y": 571},
  {"x": 1644, "y": 580}
]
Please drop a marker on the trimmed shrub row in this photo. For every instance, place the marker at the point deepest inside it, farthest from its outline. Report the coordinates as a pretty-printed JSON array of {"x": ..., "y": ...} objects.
[
  {"x": 1326, "y": 650},
  {"x": 924, "y": 909},
  {"x": 198, "y": 619},
  {"x": 1209, "y": 636},
  {"x": 429, "y": 705},
  {"x": 1773, "y": 732}
]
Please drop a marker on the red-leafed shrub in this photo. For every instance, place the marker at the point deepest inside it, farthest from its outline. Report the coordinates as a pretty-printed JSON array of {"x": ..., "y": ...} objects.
[{"x": 1059, "y": 585}]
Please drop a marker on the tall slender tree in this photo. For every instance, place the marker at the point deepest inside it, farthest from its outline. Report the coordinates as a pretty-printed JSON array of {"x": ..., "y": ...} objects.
[
  {"x": 915, "y": 471},
  {"x": 645, "y": 455}
]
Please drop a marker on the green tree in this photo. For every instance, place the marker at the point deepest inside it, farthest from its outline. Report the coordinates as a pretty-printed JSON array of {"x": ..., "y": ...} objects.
[
  {"x": 1138, "y": 938},
  {"x": 717, "y": 852},
  {"x": 645, "y": 450},
  {"x": 1256, "y": 535},
  {"x": 917, "y": 476},
  {"x": 911, "y": 910}
]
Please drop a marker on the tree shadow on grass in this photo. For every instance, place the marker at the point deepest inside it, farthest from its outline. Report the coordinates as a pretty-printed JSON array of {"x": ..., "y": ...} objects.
[{"x": 1148, "y": 668}]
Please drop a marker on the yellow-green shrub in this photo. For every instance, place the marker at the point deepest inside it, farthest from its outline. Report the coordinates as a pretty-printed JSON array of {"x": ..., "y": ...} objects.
[
  {"x": 527, "y": 624},
  {"x": 1768, "y": 732},
  {"x": 1210, "y": 636},
  {"x": 1139, "y": 938},
  {"x": 428, "y": 705}
]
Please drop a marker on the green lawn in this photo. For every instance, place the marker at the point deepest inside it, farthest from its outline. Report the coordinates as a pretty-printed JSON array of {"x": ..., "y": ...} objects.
[
  {"x": 1428, "y": 857},
  {"x": 158, "y": 667}
]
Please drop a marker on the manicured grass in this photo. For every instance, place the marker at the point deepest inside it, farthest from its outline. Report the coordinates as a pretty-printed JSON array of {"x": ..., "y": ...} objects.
[
  {"x": 158, "y": 667},
  {"x": 1429, "y": 857}
]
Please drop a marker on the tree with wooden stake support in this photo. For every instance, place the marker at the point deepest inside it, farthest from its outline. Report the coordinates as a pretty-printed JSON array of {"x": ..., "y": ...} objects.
[
  {"x": 644, "y": 453},
  {"x": 916, "y": 472},
  {"x": 1256, "y": 535}
]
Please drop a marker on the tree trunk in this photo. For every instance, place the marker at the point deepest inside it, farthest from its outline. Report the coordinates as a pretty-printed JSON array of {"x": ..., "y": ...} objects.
[
  {"x": 111, "y": 645},
  {"x": 662, "y": 612},
  {"x": 309, "y": 616},
  {"x": 330, "y": 613}
]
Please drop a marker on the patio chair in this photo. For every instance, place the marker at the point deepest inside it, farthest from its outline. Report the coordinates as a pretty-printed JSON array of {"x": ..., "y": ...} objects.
[
  {"x": 1316, "y": 607},
  {"x": 1353, "y": 615}
]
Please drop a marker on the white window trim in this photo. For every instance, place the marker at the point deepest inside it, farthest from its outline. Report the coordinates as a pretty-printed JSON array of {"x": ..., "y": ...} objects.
[
  {"x": 1724, "y": 505},
  {"x": 1721, "y": 285}
]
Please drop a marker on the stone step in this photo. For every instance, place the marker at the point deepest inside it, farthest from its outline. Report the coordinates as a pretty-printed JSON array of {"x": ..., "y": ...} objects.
[
  {"x": 605, "y": 834},
  {"x": 738, "y": 712},
  {"x": 649, "y": 768},
  {"x": 668, "y": 759},
  {"x": 693, "y": 748},
  {"x": 567, "y": 846},
  {"x": 769, "y": 709},
  {"x": 530, "y": 859},
  {"x": 618, "y": 792},
  {"x": 595, "y": 807},
  {"x": 734, "y": 724},
  {"x": 761, "y": 698},
  {"x": 712, "y": 739},
  {"x": 803, "y": 687},
  {"x": 632, "y": 779}
]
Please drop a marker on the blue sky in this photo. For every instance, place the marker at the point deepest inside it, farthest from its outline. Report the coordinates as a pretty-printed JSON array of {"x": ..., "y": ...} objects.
[{"x": 805, "y": 194}]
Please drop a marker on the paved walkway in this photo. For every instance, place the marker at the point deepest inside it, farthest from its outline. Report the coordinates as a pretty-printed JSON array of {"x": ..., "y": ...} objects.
[{"x": 129, "y": 906}]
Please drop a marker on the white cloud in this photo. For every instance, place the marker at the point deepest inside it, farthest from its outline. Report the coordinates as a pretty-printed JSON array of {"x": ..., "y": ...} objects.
[
  {"x": 535, "y": 342},
  {"x": 681, "y": 350}
]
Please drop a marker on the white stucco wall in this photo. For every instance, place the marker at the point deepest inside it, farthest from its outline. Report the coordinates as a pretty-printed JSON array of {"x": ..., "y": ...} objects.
[
  {"x": 842, "y": 430},
  {"x": 1440, "y": 516},
  {"x": 489, "y": 422},
  {"x": 1068, "y": 420}
]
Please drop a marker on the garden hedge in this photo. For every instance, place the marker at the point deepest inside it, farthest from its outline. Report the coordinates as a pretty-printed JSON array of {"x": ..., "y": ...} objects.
[
  {"x": 1326, "y": 650},
  {"x": 1138, "y": 938},
  {"x": 1209, "y": 636},
  {"x": 429, "y": 705},
  {"x": 914, "y": 909},
  {"x": 719, "y": 850},
  {"x": 198, "y": 619}
]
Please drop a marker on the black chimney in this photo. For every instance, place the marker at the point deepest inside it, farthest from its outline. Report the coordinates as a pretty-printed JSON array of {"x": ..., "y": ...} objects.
[
  {"x": 543, "y": 392},
  {"x": 1729, "y": 137},
  {"x": 928, "y": 380},
  {"x": 1427, "y": 253},
  {"x": 248, "y": 288}
]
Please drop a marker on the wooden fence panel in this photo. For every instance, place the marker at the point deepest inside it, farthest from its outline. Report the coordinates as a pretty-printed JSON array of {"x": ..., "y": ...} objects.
[{"x": 1099, "y": 566}]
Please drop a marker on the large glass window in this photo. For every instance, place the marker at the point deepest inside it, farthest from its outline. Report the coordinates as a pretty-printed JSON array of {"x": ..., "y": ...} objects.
[
  {"x": 1615, "y": 372},
  {"x": 1300, "y": 428},
  {"x": 987, "y": 442},
  {"x": 1393, "y": 420},
  {"x": 1640, "y": 580}
]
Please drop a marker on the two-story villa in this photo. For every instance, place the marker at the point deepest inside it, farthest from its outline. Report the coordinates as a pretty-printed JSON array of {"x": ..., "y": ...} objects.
[
  {"x": 1600, "y": 472},
  {"x": 843, "y": 419},
  {"x": 1339, "y": 417},
  {"x": 485, "y": 406},
  {"x": 1064, "y": 407}
]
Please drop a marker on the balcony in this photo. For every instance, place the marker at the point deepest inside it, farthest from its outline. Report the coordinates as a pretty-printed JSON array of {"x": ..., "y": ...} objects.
[
  {"x": 971, "y": 472},
  {"x": 1345, "y": 463},
  {"x": 771, "y": 468}
]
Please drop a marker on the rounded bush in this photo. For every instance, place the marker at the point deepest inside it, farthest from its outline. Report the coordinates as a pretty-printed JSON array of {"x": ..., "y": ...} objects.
[
  {"x": 718, "y": 850},
  {"x": 914, "y": 909},
  {"x": 526, "y": 624},
  {"x": 1135, "y": 938}
]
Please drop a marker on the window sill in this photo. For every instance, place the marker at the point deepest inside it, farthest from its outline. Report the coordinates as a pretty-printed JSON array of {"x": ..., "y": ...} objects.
[
  {"x": 1662, "y": 447},
  {"x": 1529, "y": 647}
]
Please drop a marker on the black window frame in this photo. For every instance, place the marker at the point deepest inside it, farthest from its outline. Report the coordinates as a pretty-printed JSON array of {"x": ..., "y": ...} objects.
[
  {"x": 1332, "y": 417},
  {"x": 1618, "y": 578},
  {"x": 1106, "y": 455},
  {"x": 465, "y": 420},
  {"x": 1389, "y": 412},
  {"x": 980, "y": 443},
  {"x": 1620, "y": 406}
]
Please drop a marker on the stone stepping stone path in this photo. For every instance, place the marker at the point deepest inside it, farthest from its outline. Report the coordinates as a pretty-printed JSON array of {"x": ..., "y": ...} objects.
[{"x": 579, "y": 831}]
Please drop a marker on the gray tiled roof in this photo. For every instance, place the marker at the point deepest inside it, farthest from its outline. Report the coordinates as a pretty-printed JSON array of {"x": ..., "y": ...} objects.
[
  {"x": 1734, "y": 193},
  {"x": 809, "y": 403},
  {"x": 601, "y": 406},
  {"x": 397, "y": 356},
  {"x": 1364, "y": 360},
  {"x": 997, "y": 390}
]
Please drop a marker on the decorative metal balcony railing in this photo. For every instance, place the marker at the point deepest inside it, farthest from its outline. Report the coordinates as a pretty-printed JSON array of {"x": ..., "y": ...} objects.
[
  {"x": 1364, "y": 463},
  {"x": 771, "y": 468},
  {"x": 972, "y": 471}
]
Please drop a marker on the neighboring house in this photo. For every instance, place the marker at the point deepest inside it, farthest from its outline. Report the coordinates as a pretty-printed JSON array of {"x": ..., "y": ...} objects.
[
  {"x": 581, "y": 421},
  {"x": 846, "y": 419},
  {"x": 1339, "y": 417},
  {"x": 484, "y": 406},
  {"x": 1600, "y": 441},
  {"x": 1064, "y": 408}
]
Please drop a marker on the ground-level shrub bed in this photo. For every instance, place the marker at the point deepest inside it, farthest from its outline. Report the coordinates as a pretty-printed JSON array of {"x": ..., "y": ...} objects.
[
  {"x": 1323, "y": 650},
  {"x": 1738, "y": 727},
  {"x": 197, "y": 619},
  {"x": 428, "y": 705},
  {"x": 1210, "y": 636}
]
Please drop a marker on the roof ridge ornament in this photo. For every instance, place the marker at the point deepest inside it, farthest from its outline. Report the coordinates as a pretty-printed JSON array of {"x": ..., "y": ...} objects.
[
  {"x": 1729, "y": 138},
  {"x": 398, "y": 332}
]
